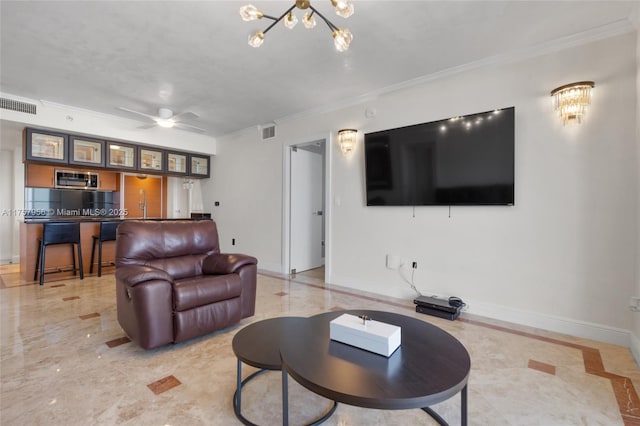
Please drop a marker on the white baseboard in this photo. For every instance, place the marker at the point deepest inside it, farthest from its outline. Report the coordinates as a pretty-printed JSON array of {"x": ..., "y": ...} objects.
[
  {"x": 572, "y": 327},
  {"x": 634, "y": 346},
  {"x": 271, "y": 267},
  {"x": 587, "y": 330}
]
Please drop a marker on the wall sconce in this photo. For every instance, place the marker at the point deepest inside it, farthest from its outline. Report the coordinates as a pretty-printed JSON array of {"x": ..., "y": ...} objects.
[
  {"x": 347, "y": 140},
  {"x": 571, "y": 101}
]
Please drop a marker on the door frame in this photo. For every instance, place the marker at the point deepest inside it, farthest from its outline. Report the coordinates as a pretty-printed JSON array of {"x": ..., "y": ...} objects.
[
  {"x": 286, "y": 201},
  {"x": 146, "y": 175}
]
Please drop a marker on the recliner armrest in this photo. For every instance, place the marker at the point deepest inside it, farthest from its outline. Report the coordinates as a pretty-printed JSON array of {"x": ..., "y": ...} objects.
[
  {"x": 136, "y": 274},
  {"x": 226, "y": 263}
]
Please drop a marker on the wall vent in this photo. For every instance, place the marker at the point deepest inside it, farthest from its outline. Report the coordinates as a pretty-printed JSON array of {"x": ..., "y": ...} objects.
[
  {"x": 14, "y": 105},
  {"x": 268, "y": 132}
]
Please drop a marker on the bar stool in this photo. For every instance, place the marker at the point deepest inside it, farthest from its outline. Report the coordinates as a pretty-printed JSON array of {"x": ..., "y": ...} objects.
[
  {"x": 107, "y": 233},
  {"x": 54, "y": 233}
]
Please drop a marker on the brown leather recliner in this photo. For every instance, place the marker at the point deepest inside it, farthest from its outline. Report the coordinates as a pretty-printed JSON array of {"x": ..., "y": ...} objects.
[{"x": 173, "y": 284}]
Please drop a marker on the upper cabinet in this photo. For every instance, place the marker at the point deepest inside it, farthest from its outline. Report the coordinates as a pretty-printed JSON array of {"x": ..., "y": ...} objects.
[
  {"x": 45, "y": 146},
  {"x": 121, "y": 156},
  {"x": 199, "y": 166},
  {"x": 150, "y": 159},
  {"x": 86, "y": 151},
  {"x": 177, "y": 163}
]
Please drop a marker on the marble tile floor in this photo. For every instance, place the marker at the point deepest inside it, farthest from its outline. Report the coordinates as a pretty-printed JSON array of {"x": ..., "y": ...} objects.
[{"x": 66, "y": 361}]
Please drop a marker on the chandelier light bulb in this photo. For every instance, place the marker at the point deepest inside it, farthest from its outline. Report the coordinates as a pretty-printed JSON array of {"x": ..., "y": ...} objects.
[
  {"x": 257, "y": 39},
  {"x": 342, "y": 39},
  {"x": 290, "y": 20},
  {"x": 309, "y": 20},
  {"x": 250, "y": 13},
  {"x": 343, "y": 8}
]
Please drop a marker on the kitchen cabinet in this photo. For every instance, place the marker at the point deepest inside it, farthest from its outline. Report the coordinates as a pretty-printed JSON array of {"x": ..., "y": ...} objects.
[
  {"x": 86, "y": 151},
  {"x": 108, "y": 181},
  {"x": 39, "y": 175},
  {"x": 177, "y": 163},
  {"x": 199, "y": 166},
  {"x": 46, "y": 146},
  {"x": 150, "y": 160},
  {"x": 121, "y": 156}
]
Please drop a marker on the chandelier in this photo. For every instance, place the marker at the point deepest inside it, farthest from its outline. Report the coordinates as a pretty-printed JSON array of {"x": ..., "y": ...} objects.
[
  {"x": 571, "y": 101},
  {"x": 341, "y": 37}
]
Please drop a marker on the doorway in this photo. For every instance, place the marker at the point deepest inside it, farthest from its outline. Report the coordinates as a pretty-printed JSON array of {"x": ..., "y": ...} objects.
[
  {"x": 143, "y": 196},
  {"x": 307, "y": 209}
]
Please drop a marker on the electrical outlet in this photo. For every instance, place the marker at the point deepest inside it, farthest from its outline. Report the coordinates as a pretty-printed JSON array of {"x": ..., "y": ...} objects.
[
  {"x": 414, "y": 265},
  {"x": 634, "y": 303}
]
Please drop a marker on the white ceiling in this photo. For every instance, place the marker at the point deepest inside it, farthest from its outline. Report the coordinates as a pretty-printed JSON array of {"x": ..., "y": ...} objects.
[{"x": 193, "y": 55}]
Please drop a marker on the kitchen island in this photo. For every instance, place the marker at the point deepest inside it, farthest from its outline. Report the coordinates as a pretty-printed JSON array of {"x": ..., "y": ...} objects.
[{"x": 59, "y": 256}]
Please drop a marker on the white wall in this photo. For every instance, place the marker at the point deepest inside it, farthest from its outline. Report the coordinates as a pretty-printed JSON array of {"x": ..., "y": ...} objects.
[
  {"x": 564, "y": 257},
  {"x": 246, "y": 178},
  {"x": 635, "y": 340},
  {"x": 11, "y": 145}
]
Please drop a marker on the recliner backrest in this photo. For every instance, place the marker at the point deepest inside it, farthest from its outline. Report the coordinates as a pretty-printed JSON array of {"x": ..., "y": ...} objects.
[{"x": 177, "y": 247}]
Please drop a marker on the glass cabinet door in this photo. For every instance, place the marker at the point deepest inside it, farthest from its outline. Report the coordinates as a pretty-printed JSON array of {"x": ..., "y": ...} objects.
[
  {"x": 86, "y": 151},
  {"x": 150, "y": 159},
  {"x": 121, "y": 155},
  {"x": 199, "y": 166},
  {"x": 46, "y": 146},
  {"x": 177, "y": 163}
]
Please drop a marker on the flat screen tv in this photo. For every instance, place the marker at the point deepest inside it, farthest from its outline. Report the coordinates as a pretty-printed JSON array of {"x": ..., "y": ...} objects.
[{"x": 467, "y": 160}]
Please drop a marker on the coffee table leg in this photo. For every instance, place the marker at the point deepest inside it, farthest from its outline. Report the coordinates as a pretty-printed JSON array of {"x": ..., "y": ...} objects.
[
  {"x": 239, "y": 388},
  {"x": 285, "y": 398},
  {"x": 463, "y": 406}
]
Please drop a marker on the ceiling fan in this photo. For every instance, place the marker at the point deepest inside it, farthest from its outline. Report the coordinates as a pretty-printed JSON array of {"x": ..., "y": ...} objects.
[{"x": 166, "y": 118}]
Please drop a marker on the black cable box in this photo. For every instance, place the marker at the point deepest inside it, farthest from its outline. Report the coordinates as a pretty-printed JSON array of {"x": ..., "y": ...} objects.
[
  {"x": 441, "y": 305},
  {"x": 436, "y": 313}
]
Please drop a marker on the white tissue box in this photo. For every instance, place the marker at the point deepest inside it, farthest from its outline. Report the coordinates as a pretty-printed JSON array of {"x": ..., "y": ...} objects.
[{"x": 373, "y": 336}]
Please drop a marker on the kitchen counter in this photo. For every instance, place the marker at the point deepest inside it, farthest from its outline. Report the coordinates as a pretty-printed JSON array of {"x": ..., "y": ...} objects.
[
  {"x": 59, "y": 256},
  {"x": 97, "y": 219}
]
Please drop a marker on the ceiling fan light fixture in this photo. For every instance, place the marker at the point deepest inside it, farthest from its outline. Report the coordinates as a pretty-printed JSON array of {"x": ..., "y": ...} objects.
[
  {"x": 342, "y": 39},
  {"x": 256, "y": 39},
  {"x": 250, "y": 13},
  {"x": 167, "y": 123},
  {"x": 309, "y": 20}
]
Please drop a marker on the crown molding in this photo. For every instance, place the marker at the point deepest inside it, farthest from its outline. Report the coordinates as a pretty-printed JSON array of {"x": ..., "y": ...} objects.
[{"x": 603, "y": 32}]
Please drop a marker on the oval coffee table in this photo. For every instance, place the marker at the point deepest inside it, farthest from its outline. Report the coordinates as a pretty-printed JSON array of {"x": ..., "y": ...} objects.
[
  {"x": 430, "y": 366},
  {"x": 258, "y": 345}
]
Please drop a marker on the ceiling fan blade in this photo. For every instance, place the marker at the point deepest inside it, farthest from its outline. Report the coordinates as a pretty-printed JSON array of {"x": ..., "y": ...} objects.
[
  {"x": 189, "y": 128},
  {"x": 148, "y": 126},
  {"x": 153, "y": 117},
  {"x": 187, "y": 115}
]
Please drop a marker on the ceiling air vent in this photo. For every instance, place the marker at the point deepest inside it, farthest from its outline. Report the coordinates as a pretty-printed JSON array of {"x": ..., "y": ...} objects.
[
  {"x": 268, "y": 132},
  {"x": 14, "y": 105}
]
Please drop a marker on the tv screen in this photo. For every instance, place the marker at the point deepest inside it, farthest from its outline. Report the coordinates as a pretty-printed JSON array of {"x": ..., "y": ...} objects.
[{"x": 467, "y": 160}]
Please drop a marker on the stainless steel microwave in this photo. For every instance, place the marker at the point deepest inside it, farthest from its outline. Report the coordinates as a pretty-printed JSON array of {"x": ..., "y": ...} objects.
[{"x": 76, "y": 180}]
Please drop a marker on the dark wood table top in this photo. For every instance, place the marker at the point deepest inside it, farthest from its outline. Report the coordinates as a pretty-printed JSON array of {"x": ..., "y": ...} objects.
[
  {"x": 258, "y": 344},
  {"x": 430, "y": 365}
]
